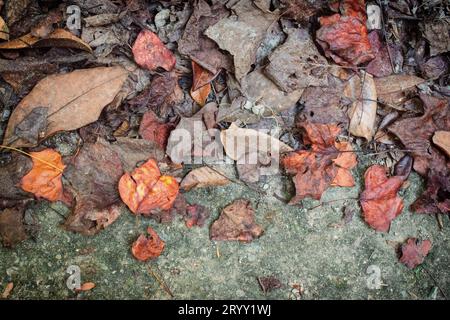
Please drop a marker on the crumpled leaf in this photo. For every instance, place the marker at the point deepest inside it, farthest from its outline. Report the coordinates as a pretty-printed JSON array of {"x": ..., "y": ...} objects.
[
  {"x": 45, "y": 178},
  {"x": 203, "y": 177},
  {"x": 344, "y": 37},
  {"x": 269, "y": 283},
  {"x": 93, "y": 176},
  {"x": 236, "y": 222},
  {"x": 327, "y": 163},
  {"x": 199, "y": 47},
  {"x": 241, "y": 34},
  {"x": 58, "y": 38},
  {"x": 147, "y": 247},
  {"x": 379, "y": 200},
  {"x": 150, "y": 53},
  {"x": 12, "y": 228},
  {"x": 73, "y": 100},
  {"x": 196, "y": 215},
  {"x": 145, "y": 190},
  {"x": 4, "y": 30},
  {"x": 153, "y": 129},
  {"x": 363, "y": 113},
  {"x": 292, "y": 71},
  {"x": 416, "y": 134},
  {"x": 437, "y": 34},
  {"x": 414, "y": 251}
]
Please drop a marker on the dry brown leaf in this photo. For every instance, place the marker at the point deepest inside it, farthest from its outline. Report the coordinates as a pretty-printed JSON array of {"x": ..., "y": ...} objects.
[
  {"x": 72, "y": 101},
  {"x": 395, "y": 83},
  {"x": 58, "y": 38},
  {"x": 363, "y": 112},
  {"x": 236, "y": 222},
  {"x": 4, "y": 30},
  {"x": 442, "y": 140},
  {"x": 203, "y": 177}
]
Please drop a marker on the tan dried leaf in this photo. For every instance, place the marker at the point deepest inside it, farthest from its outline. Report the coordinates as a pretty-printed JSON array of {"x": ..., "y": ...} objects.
[{"x": 203, "y": 177}]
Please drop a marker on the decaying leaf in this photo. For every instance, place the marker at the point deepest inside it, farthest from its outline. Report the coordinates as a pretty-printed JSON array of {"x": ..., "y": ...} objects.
[
  {"x": 379, "y": 201},
  {"x": 12, "y": 228},
  {"x": 198, "y": 46},
  {"x": 150, "y": 53},
  {"x": 414, "y": 251},
  {"x": 437, "y": 33},
  {"x": 200, "y": 76},
  {"x": 239, "y": 141},
  {"x": 344, "y": 37},
  {"x": 203, "y": 177},
  {"x": 292, "y": 71},
  {"x": 393, "y": 90},
  {"x": 442, "y": 140},
  {"x": 45, "y": 27},
  {"x": 269, "y": 283},
  {"x": 10, "y": 176},
  {"x": 73, "y": 100},
  {"x": 45, "y": 178},
  {"x": 241, "y": 34},
  {"x": 58, "y": 38},
  {"x": 148, "y": 247},
  {"x": 201, "y": 95},
  {"x": 145, "y": 190},
  {"x": 93, "y": 176},
  {"x": 381, "y": 65},
  {"x": 4, "y": 30},
  {"x": 236, "y": 222},
  {"x": 300, "y": 10},
  {"x": 363, "y": 112},
  {"x": 153, "y": 129},
  {"x": 196, "y": 215},
  {"x": 327, "y": 163},
  {"x": 436, "y": 197}
]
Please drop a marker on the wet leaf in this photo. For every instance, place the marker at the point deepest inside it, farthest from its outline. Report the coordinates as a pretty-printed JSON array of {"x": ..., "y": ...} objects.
[
  {"x": 58, "y": 38},
  {"x": 145, "y": 190},
  {"x": 379, "y": 200},
  {"x": 414, "y": 251},
  {"x": 44, "y": 179},
  {"x": 236, "y": 223},
  {"x": 154, "y": 130},
  {"x": 73, "y": 100},
  {"x": 327, "y": 163},
  {"x": 148, "y": 247},
  {"x": 150, "y": 53},
  {"x": 203, "y": 177}
]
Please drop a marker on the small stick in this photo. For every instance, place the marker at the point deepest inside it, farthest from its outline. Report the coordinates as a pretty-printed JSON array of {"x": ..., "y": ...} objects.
[{"x": 161, "y": 282}]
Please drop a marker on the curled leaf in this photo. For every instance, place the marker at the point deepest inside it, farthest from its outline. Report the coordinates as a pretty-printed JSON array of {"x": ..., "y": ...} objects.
[
  {"x": 145, "y": 190},
  {"x": 44, "y": 179},
  {"x": 414, "y": 251},
  {"x": 145, "y": 248}
]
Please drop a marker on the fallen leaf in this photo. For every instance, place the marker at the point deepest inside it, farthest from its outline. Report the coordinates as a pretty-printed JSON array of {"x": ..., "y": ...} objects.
[
  {"x": 300, "y": 10},
  {"x": 4, "y": 30},
  {"x": 93, "y": 176},
  {"x": 442, "y": 140},
  {"x": 327, "y": 163},
  {"x": 201, "y": 95},
  {"x": 86, "y": 286},
  {"x": 8, "y": 289},
  {"x": 236, "y": 222},
  {"x": 16, "y": 10},
  {"x": 269, "y": 283},
  {"x": 437, "y": 34},
  {"x": 381, "y": 65},
  {"x": 239, "y": 141},
  {"x": 145, "y": 248},
  {"x": 379, "y": 200},
  {"x": 145, "y": 190},
  {"x": 344, "y": 37},
  {"x": 291, "y": 71},
  {"x": 45, "y": 178},
  {"x": 12, "y": 228},
  {"x": 363, "y": 112},
  {"x": 58, "y": 38},
  {"x": 396, "y": 83},
  {"x": 196, "y": 215},
  {"x": 150, "y": 53},
  {"x": 203, "y": 177},
  {"x": 416, "y": 133},
  {"x": 46, "y": 26},
  {"x": 73, "y": 100},
  {"x": 242, "y": 33},
  {"x": 414, "y": 251},
  {"x": 435, "y": 67},
  {"x": 10, "y": 176},
  {"x": 200, "y": 76},
  {"x": 153, "y": 129},
  {"x": 436, "y": 197},
  {"x": 197, "y": 46}
]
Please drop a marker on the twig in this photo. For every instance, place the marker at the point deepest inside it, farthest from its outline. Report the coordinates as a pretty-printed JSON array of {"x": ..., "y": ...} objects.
[
  {"x": 435, "y": 282},
  {"x": 331, "y": 201},
  {"x": 161, "y": 282}
]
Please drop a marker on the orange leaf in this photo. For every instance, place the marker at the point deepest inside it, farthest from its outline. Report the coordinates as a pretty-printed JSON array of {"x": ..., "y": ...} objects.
[
  {"x": 146, "y": 190},
  {"x": 326, "y": 164},
  {"x": 201, "y": 76},
  {"x": 201, "y": 95},
  {"x": 145, "y": 248},
  {"x": 87, "y": 286},
  {"x": 379, "y": 200},
  {"x": 149, "y": 52},
  {"x": 44, "y": 179}
]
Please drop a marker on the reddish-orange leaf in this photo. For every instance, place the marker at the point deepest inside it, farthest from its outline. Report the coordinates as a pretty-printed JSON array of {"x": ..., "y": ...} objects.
[
  {"x": 414, "y": 252},
  {"x": 87, "y": 286},
  {"x": 201, "y": 95},
  {"x": 149, "y": 52},
  {"x": 201, "y": 76},
  {"x": 327, "y": 163},
  {"x": 152, "y": 129},
  {"x": 145, "y": 190},
  {"x": 44, "y": 179},
  {"x": 145, "y": 248},
  {"x": 379, "y": 201}
]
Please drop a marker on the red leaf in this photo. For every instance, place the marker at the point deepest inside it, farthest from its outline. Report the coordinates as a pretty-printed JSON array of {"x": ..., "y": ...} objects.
[
  {"x": 150, "y": 53},
  {"x": 379, "y": 200},
  {"x": 414, "y": 252},
  {"x": 145, "y": 248},
  {"x": 153, "y": 130}
]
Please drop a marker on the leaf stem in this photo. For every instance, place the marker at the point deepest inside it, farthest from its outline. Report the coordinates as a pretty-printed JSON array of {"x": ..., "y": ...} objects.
[{"x": 31, "y": 156}]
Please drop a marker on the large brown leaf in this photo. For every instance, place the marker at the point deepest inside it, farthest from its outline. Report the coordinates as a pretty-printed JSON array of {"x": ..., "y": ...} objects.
[{"x": 72, "y": 100}]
